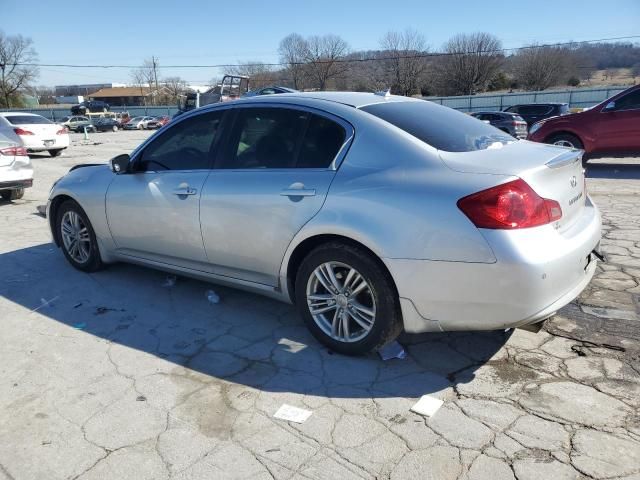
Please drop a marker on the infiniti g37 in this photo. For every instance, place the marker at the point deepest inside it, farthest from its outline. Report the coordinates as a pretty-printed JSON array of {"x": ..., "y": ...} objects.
[{"x": 372, "y": 213}]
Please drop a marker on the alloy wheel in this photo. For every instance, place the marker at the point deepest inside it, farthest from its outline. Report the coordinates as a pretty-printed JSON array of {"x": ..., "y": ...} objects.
[
  {"x": 341, "y": 302},
  {"x": 564, "y": 143},
  {"x": 75, "y": 236}
]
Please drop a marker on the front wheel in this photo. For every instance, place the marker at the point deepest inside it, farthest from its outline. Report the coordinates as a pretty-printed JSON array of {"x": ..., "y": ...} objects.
[
  {"x": 77, "y": 238},
  {"x": 347, "y": 299},
  {"x": 114, "y": 128}
]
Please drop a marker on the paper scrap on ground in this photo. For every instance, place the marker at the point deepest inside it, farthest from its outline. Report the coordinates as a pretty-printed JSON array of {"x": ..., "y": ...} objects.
[
  {"x": 212, "y": 296},
  {"x": 292, "y": 414},
  {"x": 79, "y": 326},
  {"x": 392, "y": 350},
  {"x": 427, "y": 405}
]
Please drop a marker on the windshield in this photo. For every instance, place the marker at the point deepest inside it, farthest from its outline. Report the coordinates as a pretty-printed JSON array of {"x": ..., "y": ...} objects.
[
  {"x": 27, "y": 120},
  {"x": 65, "y": 119},
  {"x": 441, "y": 127},
  {"x": 135, "y": 119}
]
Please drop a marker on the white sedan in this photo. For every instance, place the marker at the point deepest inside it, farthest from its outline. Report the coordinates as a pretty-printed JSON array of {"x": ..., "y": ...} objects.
[
  {"x": 138, "y": 123},
  {"x": 34, "y": 132},
  {"x": 16, "y": 172}
]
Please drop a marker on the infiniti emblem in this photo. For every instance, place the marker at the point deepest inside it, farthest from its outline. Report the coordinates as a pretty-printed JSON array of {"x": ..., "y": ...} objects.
[{"x": 574, "y": 181}]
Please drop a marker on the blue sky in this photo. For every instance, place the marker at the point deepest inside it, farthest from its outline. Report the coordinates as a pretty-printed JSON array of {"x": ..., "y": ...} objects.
[{"x": 212, "y": 32}]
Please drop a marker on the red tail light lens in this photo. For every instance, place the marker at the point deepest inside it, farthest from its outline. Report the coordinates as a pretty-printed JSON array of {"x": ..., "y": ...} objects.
[
  {"x": 22, "y": 131},
  {"x": 509, "y": 206},
  {"x": 62, "y": 131},
  {"x": 14, "y": 151}
]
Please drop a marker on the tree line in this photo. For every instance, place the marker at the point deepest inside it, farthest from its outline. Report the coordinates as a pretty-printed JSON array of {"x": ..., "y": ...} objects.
[{"x": 466, "y": 64}]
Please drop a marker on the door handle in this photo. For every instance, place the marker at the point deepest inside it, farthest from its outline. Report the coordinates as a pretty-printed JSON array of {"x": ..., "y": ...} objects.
[
  {"x": 185, "y": 191},
  {"x": 298, "y": 192}
]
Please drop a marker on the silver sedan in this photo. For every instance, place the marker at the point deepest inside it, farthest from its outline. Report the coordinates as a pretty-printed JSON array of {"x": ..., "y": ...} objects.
[{"x": 372, "y": 213}]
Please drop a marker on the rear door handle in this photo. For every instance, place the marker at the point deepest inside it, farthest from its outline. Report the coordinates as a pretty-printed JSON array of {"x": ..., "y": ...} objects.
[
  {"x": 298, "y": 192},
  {"x": 185, "y": 191}
]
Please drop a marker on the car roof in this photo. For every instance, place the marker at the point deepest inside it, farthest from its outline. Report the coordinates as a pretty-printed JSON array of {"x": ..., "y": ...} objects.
[
  {"x": 484, "y": 112},
  {"x": 543, "y": 103},
  {"x": 9, "y": 114},
  {"x": 352, "y": 99}
]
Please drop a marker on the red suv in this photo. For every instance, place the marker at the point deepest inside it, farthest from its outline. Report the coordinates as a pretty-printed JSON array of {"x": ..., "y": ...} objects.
[{"x": 610, "y": 128}]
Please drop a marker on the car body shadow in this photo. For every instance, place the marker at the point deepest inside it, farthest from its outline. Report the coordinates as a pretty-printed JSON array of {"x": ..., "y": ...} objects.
[
  {"x": 246, "y": 339},
  {"x": 614, "y": 171}
]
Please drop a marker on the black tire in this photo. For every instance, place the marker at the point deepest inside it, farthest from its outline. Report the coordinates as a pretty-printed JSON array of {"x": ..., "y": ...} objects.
[
  {"x": 388, "y": 317},
  {"x": 566, "y": 140},
  {"x": 15, "y": 194},
  {"x": 56, "y": 153},
  {"x": 93, "y": 262}
]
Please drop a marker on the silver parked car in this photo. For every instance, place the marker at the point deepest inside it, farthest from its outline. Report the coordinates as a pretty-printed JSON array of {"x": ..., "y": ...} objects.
[{"x": 373, "y": 213}]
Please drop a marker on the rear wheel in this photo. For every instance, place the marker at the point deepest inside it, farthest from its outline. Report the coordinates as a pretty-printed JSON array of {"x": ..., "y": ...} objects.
[
  {"x": 347, "y": 299},
  {"x": 15, "y": 194},
  {"x": 77, "y": 238},
  {"x": 114, "y": 128},
  {"x": 55, "y": 153}
]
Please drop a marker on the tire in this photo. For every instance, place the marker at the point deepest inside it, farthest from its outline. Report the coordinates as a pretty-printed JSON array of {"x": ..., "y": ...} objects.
[
  {"x": 86, "y": 258},
  {"x": 15, "y": 194},
  {"x": 378, "y": 297},
  {"x": 56, "y": 153},
  {"x": 114, "y": 128},
  {"x": 140, "y": 127},
  {"x": 565, "y": 140}
]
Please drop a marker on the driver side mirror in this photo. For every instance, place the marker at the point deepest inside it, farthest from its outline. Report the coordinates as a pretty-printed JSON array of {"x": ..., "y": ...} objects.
[
  {"x": 609, "y": 106},
  {"x": 120, "y": 163}
]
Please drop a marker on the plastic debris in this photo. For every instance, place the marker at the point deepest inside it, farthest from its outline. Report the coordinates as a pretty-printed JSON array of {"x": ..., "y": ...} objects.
[
  {"x": 170, "y": 281},
  {"x": 212, "y": 297},
  {"x": 392, "y": 350},
  {"x": 427, "y": 406},
  {"x": 79, "y": 326},
  {"x": 141, "y": 398},
  {"x": 45, "y": 303},
  {"x": 292, "y": 414},
  {"x": 77, "y": 305}
]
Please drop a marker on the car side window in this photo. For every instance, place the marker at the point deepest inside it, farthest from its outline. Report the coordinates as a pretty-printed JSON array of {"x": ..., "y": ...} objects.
[
  {"x": 187, "y": 145},
  {"x": 264, "y": 138},
  {"x": 630, "y": 101},
  {"x": 321, "y": 143}
]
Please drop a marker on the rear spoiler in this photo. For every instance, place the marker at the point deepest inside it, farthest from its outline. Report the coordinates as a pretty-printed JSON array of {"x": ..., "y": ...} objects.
[{"x": 566, "y": 158}]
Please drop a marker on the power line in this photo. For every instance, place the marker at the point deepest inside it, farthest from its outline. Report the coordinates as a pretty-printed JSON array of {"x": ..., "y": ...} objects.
[{"x": 344, "y": 60}]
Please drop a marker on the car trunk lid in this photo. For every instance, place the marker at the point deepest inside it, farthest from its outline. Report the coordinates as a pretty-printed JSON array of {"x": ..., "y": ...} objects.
[{"x": 553, "y": 172}]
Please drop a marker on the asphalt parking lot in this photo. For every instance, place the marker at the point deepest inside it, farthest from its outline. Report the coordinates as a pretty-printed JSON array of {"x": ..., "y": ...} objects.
[{"x": 122, "y": 375}]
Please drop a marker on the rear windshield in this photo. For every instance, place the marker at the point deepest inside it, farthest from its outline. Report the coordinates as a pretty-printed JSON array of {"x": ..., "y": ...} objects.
[
  {"x": 26, "y": 119},
  {"x": 441, "y": 127}
]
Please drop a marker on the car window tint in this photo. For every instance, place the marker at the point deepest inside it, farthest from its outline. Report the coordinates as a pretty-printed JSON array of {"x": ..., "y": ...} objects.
[
  {"x": 264, "y": 138},
  {"x": 513, "y": 109},
  {"x": 26, "y": 119},
  {"x": 321, "y": 143},
  {"x": 186, "y": 145},
  {"x": 629, "y": 101},
  {"x": 441, "y": 127}
]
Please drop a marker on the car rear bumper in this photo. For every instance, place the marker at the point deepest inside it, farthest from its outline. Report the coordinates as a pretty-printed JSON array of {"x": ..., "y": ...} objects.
[
  {"x": 12, "y": 185},
  {"x": 37, "y": 144},
  {"x": 537, "y": 272}
]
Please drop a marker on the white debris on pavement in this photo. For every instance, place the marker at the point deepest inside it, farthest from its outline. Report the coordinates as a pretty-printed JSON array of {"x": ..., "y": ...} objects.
[
  {"x": 292, "y": 414},
  {"x": 212, "y": 296},
  {"x": 427, "y": 406},
  {"x": 392, "y": 350},
  {"x": 45, "y": 303}
]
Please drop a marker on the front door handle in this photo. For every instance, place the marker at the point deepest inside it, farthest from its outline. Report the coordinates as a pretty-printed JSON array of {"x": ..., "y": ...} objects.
[
  {"x": 298, "y": 192},
  {"x": 185, "y": 191}
]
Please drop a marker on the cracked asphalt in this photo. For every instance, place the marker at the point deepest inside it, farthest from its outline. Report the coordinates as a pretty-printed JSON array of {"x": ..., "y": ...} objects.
[{"x": 114, "y": 376}]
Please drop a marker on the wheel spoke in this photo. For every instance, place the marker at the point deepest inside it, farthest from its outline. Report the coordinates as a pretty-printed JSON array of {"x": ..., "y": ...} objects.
[
  {"x": 347, "y": 281},
  {"x": 365, "y": 324},
  {"x": 345, "y": 325},
  {"x": 360, "y": 286},
  {"x": 334, "y": 323},
  {"x": 361, "y": 308},
  {"x": 84, "y": 235},
  {"x": 331, "y": 275},
  {"x": 319, "y": 310},
  {"x": 323, "y": 280}
]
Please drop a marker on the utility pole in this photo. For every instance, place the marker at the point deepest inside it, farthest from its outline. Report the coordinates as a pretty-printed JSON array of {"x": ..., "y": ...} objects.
[{"x": 155, "y": 77}]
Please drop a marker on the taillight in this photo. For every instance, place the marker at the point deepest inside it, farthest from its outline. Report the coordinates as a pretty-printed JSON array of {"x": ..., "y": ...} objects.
[
  {"x": 14, "y": 151},
  {"x": 62, "y": 131},
  {"x": 22, "y": 131},
  {"x": 509, "y": 206}
]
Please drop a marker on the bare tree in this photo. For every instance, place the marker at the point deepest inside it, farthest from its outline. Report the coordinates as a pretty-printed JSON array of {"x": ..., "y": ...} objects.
[
  {"x": 469, "y": 63},
  {"x": 175, "y": 86},
  {"x": 141, "y": 80},
  {"x": 540, "y": 67},
  {"x": 15, "y": 52},
  {"x": 406, "y": 65},
  {"x": 324, "y": 56},
  {"x": 260, "y": 75},
  {"x": 147, "y": 76},
  {"x": 292, "y": 53}
]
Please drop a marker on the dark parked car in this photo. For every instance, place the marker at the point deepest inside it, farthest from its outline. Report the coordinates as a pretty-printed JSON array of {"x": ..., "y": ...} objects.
[
  {"x": 610, "y": 128},
  {"x": 534, "y": 112},
  {"x": 93, "y": 106},
  {"x": 269, "y": 91},
  {"x": 106, "y": 125},
  {"x": 508, "y": 122}
]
